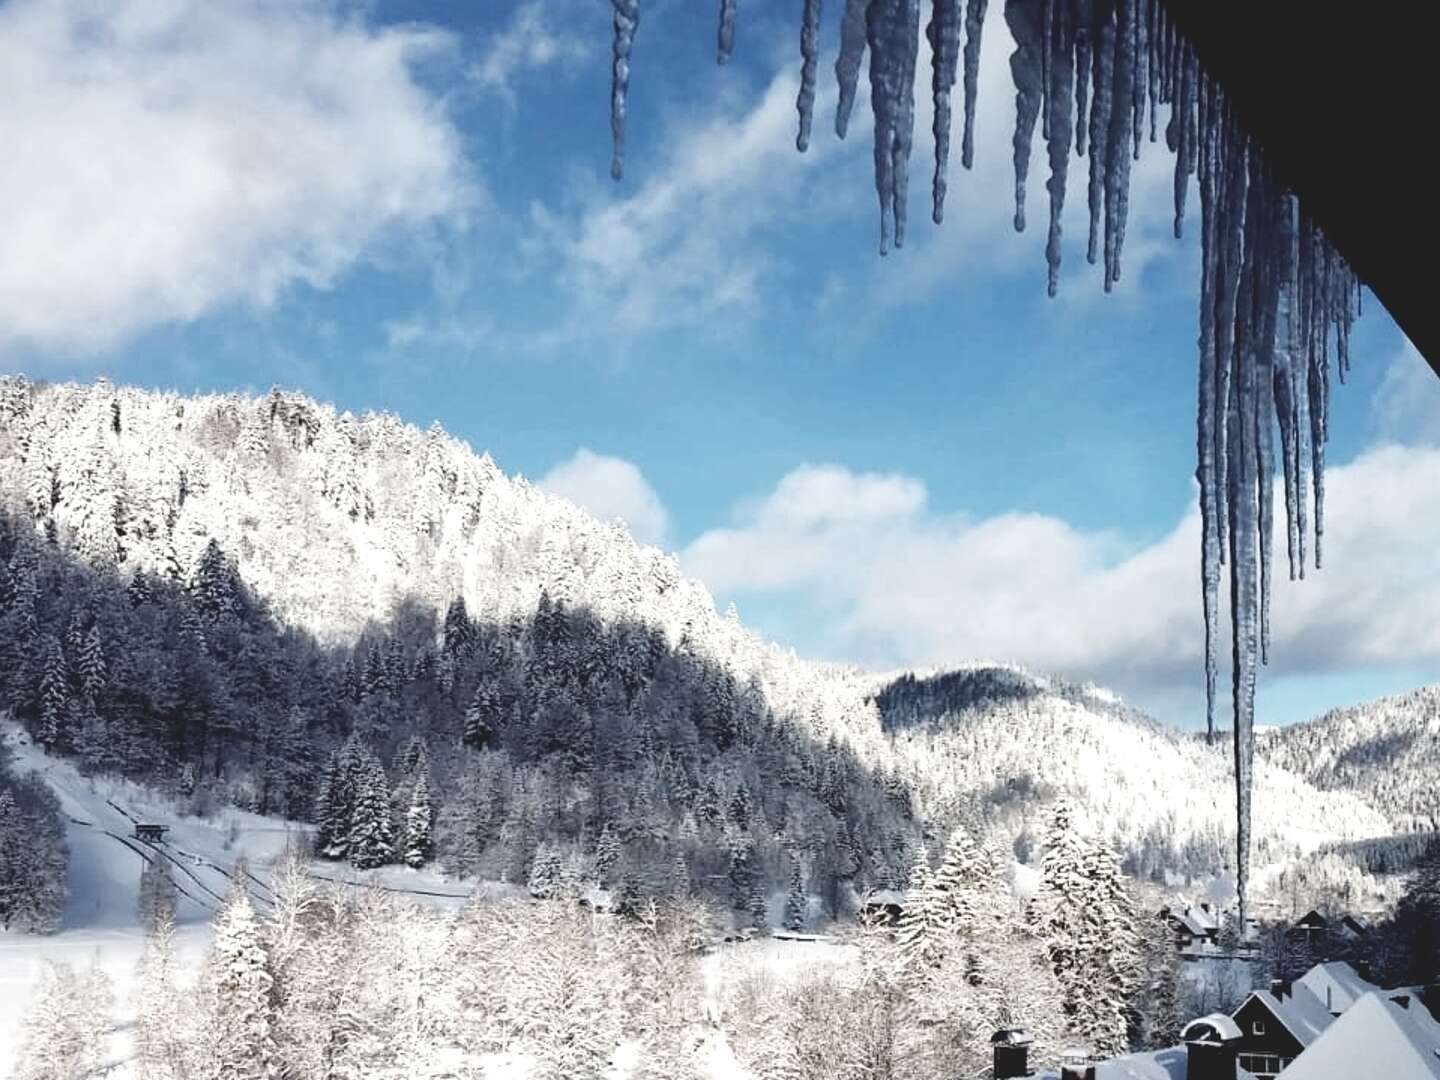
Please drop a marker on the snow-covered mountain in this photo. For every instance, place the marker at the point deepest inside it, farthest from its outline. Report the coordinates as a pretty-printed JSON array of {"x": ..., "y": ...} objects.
[
  {"x": 1385, "y": 751},
  {"x": 346, "y": 526},
  {"x": 996, "y": 742}
]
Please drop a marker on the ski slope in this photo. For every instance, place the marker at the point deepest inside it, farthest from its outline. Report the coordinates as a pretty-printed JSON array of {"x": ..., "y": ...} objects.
[{"x": 101, "y": 924}]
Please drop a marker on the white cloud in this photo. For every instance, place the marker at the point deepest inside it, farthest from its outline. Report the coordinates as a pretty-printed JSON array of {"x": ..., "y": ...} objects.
[
  {"x": 611, "y": 487},
  {"x": 1407, "y": 405},
  {"x": 892, "y": 583},
  {"x": 168, "y": 157},
  {"x": 528, "y": 43}
]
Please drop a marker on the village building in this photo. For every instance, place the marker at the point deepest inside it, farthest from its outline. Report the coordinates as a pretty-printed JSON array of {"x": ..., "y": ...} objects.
[{"x": 1330, "y": 1024}]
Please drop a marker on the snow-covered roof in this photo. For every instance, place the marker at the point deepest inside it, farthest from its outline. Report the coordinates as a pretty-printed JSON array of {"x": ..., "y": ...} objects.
[
  {"x": 1374, "y": 1037},
  {"x": 1337, "y": 984},
  {"x": 1300, "y": 1012},
  {"x": 1168, "y": 1064},
  {"x": 885, "y": 896},
  {"x": 1223, "y": 1026}
]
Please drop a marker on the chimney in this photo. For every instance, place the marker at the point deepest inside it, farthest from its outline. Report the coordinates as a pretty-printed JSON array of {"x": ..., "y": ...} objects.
[
  {"x": 1212, "y": 1046},
  {"x": 1280, "y": 988},
  {"x": 1077, "y": 1064},
  {"x": 1012, "y": 1053}
]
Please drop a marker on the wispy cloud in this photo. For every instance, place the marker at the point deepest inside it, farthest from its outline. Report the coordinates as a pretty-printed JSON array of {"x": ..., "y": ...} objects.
[
  {"x": 169, "y": 157},
  {"x": 611, "y": 488},
  {"x": 530, "y": 42},
  {"x": 891, "y": 582}
]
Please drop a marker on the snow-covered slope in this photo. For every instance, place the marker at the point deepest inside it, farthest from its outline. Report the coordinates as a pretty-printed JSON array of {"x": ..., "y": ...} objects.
[
  {"x": 998, "y": 742},
  {"x": 102, "y": 925},
  {"x": 1385, "y": 751}
]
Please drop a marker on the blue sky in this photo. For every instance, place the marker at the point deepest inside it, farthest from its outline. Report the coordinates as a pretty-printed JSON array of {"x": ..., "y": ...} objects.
[{"x": 919, "y": 459}]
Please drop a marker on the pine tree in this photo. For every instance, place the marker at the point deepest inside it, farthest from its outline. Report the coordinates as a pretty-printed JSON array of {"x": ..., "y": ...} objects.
[
  {"x": 12, "y": 848},
  {"x": 742, "y": 808},
  {"x": 607, "y": 853},
  {"x": 796, "y": 902},
  {"x": 161, "y": 1045},
  {"x": 92, "y": 664},
  {"x": 679, "y": 877},
  {"x": 742, "y": 870},
  {"x": 54, "y": 693},
  {"x": 419, "y": 824},
  {"x": 545, "y": 873},
  {"x": 240, "y": 1040},
  {"x": 158, "y": 896},
  {"x": 925, "y": 923},
  {"x": 65, "y": 1030},
  {"x": 481, "y": 715},
  {"x": 371, "y": 840},
  {"x": 213, "y": 586}
]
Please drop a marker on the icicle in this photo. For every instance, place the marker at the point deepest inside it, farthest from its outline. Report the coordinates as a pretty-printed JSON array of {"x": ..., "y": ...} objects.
[
  {"x": 1242, "y": 512},
  {"x": 1140, "y": 66},
  {"x": 1058, "y": 140},
  {"x": 1047, "y": 44},
  {"x": 809, "y": 68},
  {"x": 1286, "y": 401},
  {"x": 1232, "y": 175},
  {"x": 943, "y": 33},
  {"x": 1025, "y": 27},
  {"x": 892, "y": 30},
  {"x": 1263, "y": 342},
  {"x": 1100, "y": 119},
  {"x": 725, "y": 39},
  {"x": 847, "y": 64},
  {"x": 1211, "y": 402},
  {"x": 1084, "y": 21},
  {"x": 627, "y": 19},
  {"x": 1118, "y": 141},
  {"x": 1319, "y": 393},
  {"x": 974, "y": 25},
  {"x": 1153, "y": 46},
  {"x": 1182, "y": 120}
]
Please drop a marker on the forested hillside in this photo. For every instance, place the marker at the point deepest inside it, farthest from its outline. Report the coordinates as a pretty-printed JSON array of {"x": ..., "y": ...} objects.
[
  {"x": 352, "y": 621},
  {"x": 1386, "y": 751}
]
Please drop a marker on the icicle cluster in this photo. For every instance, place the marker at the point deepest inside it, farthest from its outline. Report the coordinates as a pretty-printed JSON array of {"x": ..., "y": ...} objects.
[{"x": 1274, "y": 292}]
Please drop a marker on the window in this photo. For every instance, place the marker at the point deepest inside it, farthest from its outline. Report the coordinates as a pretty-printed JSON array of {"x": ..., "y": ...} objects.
[
  {"x": 1264, "y": 1066},
  {"x": 1258, "y": 1027}
]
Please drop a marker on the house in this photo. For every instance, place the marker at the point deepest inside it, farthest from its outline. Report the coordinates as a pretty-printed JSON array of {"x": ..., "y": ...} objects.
[
  {"x": 1208, "y": 1053},
  {"x": 1196, "y": 927},
  {"x": 1310, "y": 929},
  {"x": 1377, "y": 1036},
  {"x": 151, "y": 834},
  {"x": 884, "y": 906},
  {"x": 1277, "y": 1026}
]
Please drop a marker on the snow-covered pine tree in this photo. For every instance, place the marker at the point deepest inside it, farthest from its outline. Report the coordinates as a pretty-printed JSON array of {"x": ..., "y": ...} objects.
[
  {"x": 742, "y": 869},
  {"x": 926, "y": 921},
  {"x": 545, "y": 873},
  {"x": 419, "y": 825},
  {"x": 796, "y": 902},
  {"x": 63, "y": 1035},
  {"x": 54, "y": 694},
  {"x": 157, "y": 896},
  {"x": 239, "y": 1014},
  {"x": 370, "y": 841},
  {"x": 607, "y": 853},
  {"x": 482, "y": 715},
  {"x": 742, "y": 806},
  {"x": 213, "y": 585},
  {"x": 12, "y": 850},
  {"x": 92, "y": 664},
  {"x": 679, "y": 877},
  {"x": 164, "y": 1046}
]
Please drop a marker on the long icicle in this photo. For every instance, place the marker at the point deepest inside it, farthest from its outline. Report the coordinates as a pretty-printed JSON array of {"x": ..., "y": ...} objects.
[
  {"x": 974, "y": 28},
  {"x": 943, "y": 33},
  {"x": 1210, "y": 413},
  {"x": 725, "y": 36},
  {"x": 1025, "y": 64},
  {"x": 627, "y": 20},
  {"x": 809, "y": 72},
  {"x": 1058, "y": 103},
  {"x": 1104, "y": 97},
  {"x": 847, "y": 64}
]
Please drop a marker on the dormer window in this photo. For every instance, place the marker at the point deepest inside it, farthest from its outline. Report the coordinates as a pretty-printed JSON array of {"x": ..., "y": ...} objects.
[{"x": 1257, "y": 1027}]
